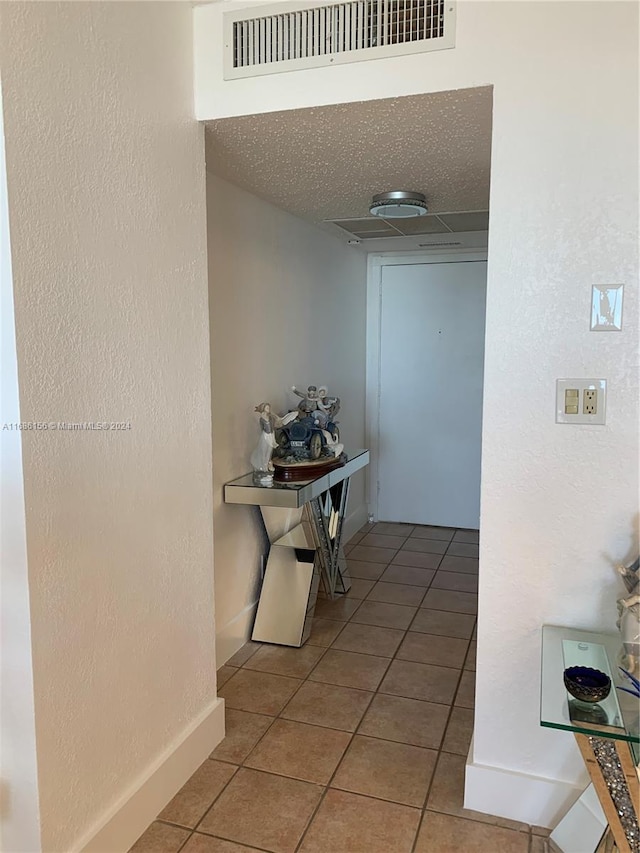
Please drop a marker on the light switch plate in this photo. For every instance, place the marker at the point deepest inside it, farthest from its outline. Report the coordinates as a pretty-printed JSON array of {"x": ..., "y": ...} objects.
[{"x": 591, "y": 401}]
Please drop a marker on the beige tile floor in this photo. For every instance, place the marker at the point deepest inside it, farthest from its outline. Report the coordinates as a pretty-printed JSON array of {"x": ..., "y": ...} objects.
[{"x": 355, "y": 743}]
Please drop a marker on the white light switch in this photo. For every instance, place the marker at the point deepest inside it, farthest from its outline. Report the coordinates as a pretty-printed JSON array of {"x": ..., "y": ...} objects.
[
  {"x": 581, "y": 401},
  {"x": 571, "y": 401}
]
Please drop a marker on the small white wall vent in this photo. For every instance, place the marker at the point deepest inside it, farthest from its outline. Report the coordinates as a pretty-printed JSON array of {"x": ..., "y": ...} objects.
[{"x": 294, "y": 36}]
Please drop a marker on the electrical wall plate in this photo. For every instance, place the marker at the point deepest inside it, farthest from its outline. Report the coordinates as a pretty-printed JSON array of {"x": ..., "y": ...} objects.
[
  {"x": 581, "y": 401},
  {"x": 606, "y": 307}
]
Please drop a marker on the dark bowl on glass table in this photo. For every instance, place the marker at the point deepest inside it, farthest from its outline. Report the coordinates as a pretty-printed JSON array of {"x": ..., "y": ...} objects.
[{"x": 586, "y": 684}]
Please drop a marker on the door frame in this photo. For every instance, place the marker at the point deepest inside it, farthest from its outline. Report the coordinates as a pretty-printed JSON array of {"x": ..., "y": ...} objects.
[{"x": 375, "y": 265}]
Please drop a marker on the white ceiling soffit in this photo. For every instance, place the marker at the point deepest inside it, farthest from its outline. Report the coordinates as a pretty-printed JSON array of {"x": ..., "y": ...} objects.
[{"x": 325, "y": 163}]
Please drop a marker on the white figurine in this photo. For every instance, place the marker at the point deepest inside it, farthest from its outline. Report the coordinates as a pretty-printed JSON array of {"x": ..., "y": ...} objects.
[
  {"x": 629, "y": 618},
  {"x": 309, "y": 400},
  {"x": 333, "y": 444},
  {"x": 261, "y": 456}
]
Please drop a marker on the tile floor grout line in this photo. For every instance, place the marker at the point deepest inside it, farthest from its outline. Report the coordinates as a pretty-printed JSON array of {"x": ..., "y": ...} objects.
[
  {"x": 392, "y": 535},
  {"x": 353, "y": 734},
  {"x": 333, "y": 728},
  {"x": 423, "y": 813},
  {"x": 470, "y": 819},
  {"x": 285, "y": 775},
  {"x": 392, "y": 583},
  {"x": 299, "y": 677},
  {"x": 394, "y": 657},
  {"x": 186, "y": 841},
  {"x": 220, "y": 838},
  {"x": 312, "y": 818},
  {"x": 300, "y": 722},
  {"x": 330, "y": 787},
  {"x": 351, "y": 738},
  {"x": 215, "y": 799},
  {"x": 326, "y": 787},
  {"x": 452, "y": 706},
  {"x": 170, "y": 823},
  {"x": 225, "y": 838},
  {"x": 244, "y": 711},
  {"x": 440, "y": 749}
]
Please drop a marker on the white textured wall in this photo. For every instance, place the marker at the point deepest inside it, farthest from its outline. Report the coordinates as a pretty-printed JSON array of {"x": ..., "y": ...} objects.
[
  {"x": 107, "y": 207},
  {"x": 559, "y": 503},
  {"x": 287, "y": 307},
  {"x": 20, "y": 823}
]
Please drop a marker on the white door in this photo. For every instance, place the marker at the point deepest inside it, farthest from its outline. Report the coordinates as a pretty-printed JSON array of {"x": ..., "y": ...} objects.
[{"x": 432, "y": 319}]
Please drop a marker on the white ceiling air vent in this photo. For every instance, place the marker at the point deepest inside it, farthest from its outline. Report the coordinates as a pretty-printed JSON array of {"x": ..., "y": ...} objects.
[{"x": 293, "y": 36}]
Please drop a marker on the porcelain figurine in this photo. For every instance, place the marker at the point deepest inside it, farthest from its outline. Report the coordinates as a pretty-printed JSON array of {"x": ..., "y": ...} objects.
[
  {"x": 261, "y": 456},
  {"x": 309, "y": 402},
  {"x": 629, "y": 618},
  {"x": 313, "y": 433},
  {"x": 267, "y": 443}
]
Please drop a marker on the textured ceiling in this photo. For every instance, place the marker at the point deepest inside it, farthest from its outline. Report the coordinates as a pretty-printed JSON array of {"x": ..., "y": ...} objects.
[{"x": 327, "y": 162}]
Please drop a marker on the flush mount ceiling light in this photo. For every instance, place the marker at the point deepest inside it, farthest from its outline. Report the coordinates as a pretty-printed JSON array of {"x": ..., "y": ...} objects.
[{"x": 398, "y": 204}]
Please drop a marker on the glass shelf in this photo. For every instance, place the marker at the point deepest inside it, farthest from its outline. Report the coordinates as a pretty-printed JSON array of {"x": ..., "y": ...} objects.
[{"x": 616, "y": 717}]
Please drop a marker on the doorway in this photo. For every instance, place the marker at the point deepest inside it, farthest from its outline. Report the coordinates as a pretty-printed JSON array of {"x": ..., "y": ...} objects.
[{"x": 426, "y": 334}]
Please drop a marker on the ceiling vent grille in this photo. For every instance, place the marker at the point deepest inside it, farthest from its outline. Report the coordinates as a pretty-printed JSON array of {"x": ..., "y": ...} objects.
[{"x": 293, "y": 36}]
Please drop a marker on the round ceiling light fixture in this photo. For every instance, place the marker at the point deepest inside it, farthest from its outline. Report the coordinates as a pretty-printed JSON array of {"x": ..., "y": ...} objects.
[{"x": 399, "y": 204}]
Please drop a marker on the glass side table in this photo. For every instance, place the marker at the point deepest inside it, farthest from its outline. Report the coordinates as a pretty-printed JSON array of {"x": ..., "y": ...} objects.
[
  {"x": 607, "y": 734},
  {"x": 303, "y": 521}
]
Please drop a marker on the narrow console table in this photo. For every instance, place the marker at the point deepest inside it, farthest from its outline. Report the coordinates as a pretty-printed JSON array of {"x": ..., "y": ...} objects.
[
  {"x": 607, "y": 735},
  {"x": 304, "y": 523}
]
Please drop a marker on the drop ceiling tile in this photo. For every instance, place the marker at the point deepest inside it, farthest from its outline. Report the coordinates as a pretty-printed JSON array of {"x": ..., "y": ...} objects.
[
  {"x": 476, "y": 221},
  {"x": 375, "y": 235},
  {"x": 368, "y": 224},
  {"x": 421, "y": 225}
]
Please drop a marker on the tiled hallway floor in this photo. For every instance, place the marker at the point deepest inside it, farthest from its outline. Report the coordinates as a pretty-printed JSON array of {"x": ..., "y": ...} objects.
[{"x": 355, "y": 743}]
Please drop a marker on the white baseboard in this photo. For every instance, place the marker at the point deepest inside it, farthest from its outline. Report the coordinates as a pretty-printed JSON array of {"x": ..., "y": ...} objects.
[
  {"x": 235, "y": 634},
  {"x": 518, "y": 796},
  {"x": 353, "y": 522},
  {"x": 140, "y": 804}
]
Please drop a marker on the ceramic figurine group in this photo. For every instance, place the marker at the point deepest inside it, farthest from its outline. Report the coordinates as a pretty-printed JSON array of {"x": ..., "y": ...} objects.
[{"x": 307, "y": 434}]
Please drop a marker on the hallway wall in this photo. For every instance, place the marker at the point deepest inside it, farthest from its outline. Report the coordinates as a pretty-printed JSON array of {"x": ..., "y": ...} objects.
[
  {"x": 287, "y": 307},
  {"x": 559, "y": 503},
  {"x": 106, "y": 185}
]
